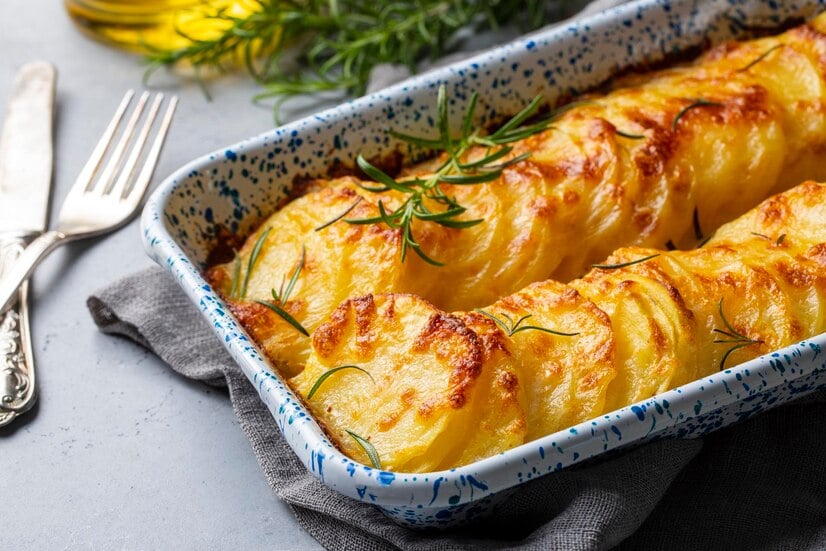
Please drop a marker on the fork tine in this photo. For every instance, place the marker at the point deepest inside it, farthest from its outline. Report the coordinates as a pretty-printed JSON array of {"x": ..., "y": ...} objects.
[
  {"x": 84, "y": 214},
  {"x": 91, "y": 167},
  {"x": 137, "y": 190},
  {"x": 104, "y": 182},
  {"x": 129, "y": 167}
]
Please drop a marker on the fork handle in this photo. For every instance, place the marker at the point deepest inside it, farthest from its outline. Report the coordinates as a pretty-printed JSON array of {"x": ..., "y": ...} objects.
[
  {"x": 18, "y": 384},
  {"x": 28, "y": 260}
]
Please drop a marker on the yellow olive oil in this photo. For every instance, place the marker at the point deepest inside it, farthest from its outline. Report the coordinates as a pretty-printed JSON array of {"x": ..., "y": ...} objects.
[{"x": 146, "y": 25}]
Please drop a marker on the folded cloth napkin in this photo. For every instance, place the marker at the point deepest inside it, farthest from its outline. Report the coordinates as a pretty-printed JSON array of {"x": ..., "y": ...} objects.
[
  {"x": 759, "y": 484},
  {"x": 756, "y": 485}
]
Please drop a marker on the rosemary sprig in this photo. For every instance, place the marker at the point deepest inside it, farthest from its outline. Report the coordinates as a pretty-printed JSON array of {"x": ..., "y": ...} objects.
[
  {"x": 421, "y": 194},
  {"x": 256, "y": 250},
  {"x": 281, "y": 296},
  {"x": 624, "y": 264},
  {"x": 340, "y": 216},
  {"x": 369, "y": 449},
  {"x": 699, "y": 102},
  {"x": 759, "y": 58},
  {"x": 512, "y": 327},
  {"x": 735, "y": 338},
  {"x": 299, "y": 47},
  {"x": 326, "y": 375}
]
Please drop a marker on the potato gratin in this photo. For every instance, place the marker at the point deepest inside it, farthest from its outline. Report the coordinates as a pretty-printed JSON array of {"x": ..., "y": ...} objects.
[{"x": 368, "y": 342}]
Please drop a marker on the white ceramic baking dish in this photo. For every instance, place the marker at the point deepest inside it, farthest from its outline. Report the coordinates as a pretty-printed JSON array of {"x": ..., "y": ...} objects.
[{"x": 235, "y": 188}]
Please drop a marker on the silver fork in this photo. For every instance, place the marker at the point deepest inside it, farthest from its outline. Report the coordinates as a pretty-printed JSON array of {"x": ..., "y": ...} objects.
[{"x": 100, "y": 200}]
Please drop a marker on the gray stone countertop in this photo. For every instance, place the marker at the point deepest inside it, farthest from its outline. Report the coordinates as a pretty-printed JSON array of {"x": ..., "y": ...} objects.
[{"x": 120, "y": 452}]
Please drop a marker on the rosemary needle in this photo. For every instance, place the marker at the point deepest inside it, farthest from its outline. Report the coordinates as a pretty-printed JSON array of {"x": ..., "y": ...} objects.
[
  {"x": 340, "y": 216},
  {"x": 285, "y": 315},
  {"x": 256, "y": 250},
  {"x": 283, "y": 294},
  {"x": 236, "y": 275},
  {"x": 368, "y": 448},
  {"x": 760, "y": 58},
  {"x": 326, "y": 375},
  {"x": 624, "y": 264},
  {"x": 700, "y": 102},
  {"x": 629, "y": 135}
]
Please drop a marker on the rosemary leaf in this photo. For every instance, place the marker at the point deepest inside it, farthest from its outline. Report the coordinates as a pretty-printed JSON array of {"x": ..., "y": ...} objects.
[
  {"x": 256, "y": 250},
  {"x": 381, "y": 177},
  {"x": 369, "y": 449},
  {"x": 340, "y": 216},
  {"x": 284, "y": 295},
  {"x": 700, "y": 102},
  {"x": 760, "y": 58},
  {"x": 326, "y": 375},
  {"x": 236, "y": 276},
  {"x": 285, "y": 315},
  {"x": 624, "y": 264},
  {"x": 780, "y": 239},
  {"x": 630, "y": 136},
  {"x": 464, "y": 180},
  {"x": 732, "y": 349}
]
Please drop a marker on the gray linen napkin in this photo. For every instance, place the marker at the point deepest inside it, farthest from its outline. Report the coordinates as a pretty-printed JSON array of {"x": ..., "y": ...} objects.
[{"x": 757, "y": 485}]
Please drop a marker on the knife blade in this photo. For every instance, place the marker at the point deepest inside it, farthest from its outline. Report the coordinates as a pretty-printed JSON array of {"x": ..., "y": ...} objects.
[{"x": 26, "y": 155}]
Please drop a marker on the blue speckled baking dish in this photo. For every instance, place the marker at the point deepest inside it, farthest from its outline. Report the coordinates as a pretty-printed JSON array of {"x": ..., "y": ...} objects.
[{"x": 237, "y": 187}]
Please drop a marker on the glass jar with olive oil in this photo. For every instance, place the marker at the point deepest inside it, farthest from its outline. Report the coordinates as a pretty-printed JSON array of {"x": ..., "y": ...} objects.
[{"x": 144, "y": 25}]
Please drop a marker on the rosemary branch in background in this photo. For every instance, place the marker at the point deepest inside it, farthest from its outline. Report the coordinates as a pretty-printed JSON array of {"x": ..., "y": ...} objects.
[{"x": 336, "y": 43}]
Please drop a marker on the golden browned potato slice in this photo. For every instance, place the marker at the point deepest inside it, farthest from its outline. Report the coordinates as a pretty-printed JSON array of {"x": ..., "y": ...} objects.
[
  {"x": 430, "y": 378},
  {"x": 563, "y": 378},
  {"x": 654, "y": 331}
]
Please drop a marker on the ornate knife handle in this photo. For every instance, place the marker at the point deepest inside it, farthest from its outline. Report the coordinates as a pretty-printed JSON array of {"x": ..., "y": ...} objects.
[{"x": 18, "y": 390}]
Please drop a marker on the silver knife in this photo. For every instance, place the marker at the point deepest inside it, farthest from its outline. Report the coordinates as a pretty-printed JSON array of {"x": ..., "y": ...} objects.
[{"x": 25, "y": 185}]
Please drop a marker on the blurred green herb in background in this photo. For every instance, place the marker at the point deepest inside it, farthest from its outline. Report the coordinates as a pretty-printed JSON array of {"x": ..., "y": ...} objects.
[{"x": 294, "y": 48}]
